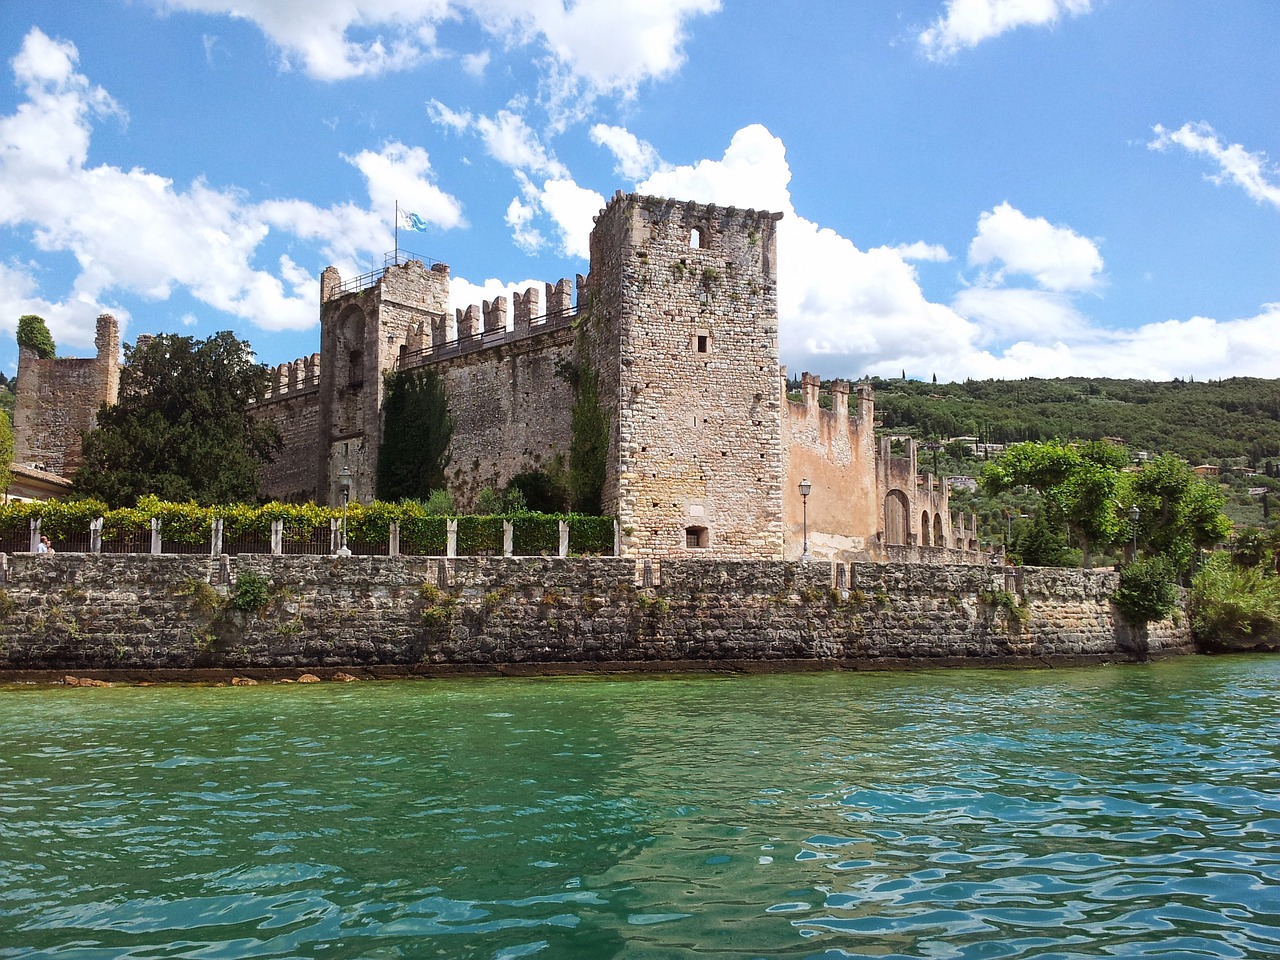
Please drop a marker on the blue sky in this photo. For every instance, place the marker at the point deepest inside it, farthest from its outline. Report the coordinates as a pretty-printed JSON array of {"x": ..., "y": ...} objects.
[{"x": 971, "y": 188}]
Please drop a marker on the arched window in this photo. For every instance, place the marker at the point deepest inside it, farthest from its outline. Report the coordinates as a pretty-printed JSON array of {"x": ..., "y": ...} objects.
[
  {"x": 939, "y": 538},
  {"x": 697, "y": 238},
  {"x": 925, "y": 529}
]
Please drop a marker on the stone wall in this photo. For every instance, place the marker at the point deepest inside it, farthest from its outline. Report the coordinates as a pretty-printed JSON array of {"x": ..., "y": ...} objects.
[
  {"x": 835, "y": 451},
  {"x": 511, "y": 406},
  {"x": 74, "y": 612},
  {"x": 58, "y": 401}
]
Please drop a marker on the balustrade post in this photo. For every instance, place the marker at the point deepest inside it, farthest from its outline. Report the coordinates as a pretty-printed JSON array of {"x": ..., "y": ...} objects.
[{"x": 157, "y": 545}]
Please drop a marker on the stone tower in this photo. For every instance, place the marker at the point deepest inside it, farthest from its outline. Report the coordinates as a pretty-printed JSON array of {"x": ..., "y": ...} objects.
[
  {"x": 364, "y": 324},
  {"x": 59, "y": 398},
  {"x": 681, "y": 332}
]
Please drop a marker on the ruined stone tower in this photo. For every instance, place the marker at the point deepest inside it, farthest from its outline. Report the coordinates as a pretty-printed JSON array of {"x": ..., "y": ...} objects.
[
  {"x": 58, "y": 401},
  {"x": 364, "y": 323},
  {"x": 681, "y": 332}
]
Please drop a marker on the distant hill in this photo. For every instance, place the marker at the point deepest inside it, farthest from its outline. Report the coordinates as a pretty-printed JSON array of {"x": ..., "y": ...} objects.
[{"x": 1204, "y": 422}]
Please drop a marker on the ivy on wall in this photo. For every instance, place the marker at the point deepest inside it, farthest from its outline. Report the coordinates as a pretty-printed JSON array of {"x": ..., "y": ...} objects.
[
  {"x": 588, "y": 444},
  {"x": 416, "y": 430}
]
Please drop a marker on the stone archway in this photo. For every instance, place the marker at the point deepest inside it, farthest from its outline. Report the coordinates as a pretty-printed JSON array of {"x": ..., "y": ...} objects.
[
  {"x": 939, "y": 534},
  {"x": 897, "y": 518}
]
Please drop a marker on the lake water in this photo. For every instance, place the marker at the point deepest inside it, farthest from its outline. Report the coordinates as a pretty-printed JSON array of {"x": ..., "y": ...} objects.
[{"x": 1104, "y": 812}]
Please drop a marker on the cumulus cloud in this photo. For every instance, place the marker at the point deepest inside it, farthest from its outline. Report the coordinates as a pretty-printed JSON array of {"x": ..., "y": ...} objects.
[
  {"x": 1057, "y": 258},
  {"x": 135, "y": 231},
  {"x": 645, "y": 37},
  {"x": 966, "y": 23},
  {"x": 634, "y": 158},
  {"x": 1249, "y": 171}
]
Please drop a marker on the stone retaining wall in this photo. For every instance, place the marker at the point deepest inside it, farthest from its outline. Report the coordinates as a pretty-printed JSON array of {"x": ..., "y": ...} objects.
[{"x": 75, "y": 612}]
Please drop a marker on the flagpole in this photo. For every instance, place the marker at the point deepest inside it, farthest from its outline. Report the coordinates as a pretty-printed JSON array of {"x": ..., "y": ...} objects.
[{"x": 397, "y": 232}]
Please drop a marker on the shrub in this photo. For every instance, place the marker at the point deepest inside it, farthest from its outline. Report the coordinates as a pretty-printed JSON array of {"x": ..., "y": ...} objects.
[
  {"x": 1147, "y": 591},
  {"x": 252, "y": 593},
  {"x": 1229, "y": 602}
]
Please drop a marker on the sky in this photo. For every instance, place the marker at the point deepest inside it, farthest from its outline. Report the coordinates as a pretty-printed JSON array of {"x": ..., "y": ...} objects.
[{"x": 970, "y": 188}]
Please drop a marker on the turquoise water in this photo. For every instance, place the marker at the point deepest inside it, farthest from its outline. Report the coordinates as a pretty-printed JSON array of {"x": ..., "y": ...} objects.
[{"x": 1102, "y": 812}]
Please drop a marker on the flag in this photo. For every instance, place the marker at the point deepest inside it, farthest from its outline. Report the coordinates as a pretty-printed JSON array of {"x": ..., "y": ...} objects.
[{"x": 411, "y": 221}]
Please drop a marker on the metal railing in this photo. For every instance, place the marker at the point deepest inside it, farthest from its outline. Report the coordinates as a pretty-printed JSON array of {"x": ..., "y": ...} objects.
[
  {"x": 457, "y": 348},
  {"x": 393, "y": 258}
]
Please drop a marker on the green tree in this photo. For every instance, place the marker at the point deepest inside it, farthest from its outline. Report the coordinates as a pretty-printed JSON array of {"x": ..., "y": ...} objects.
[
  {"x": 1179, "y": 512},
  {"x": 1041, "y": 544},
  {"x": 416, "y": 430},
  {"x": 1082, "y": 488},
  {"x": 34, "y": 335},
  {"x": 181, "y": 429}
]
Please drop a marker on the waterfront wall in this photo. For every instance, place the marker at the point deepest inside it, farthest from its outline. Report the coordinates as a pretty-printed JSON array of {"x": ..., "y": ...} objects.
[{"x": 75, "y": 612}]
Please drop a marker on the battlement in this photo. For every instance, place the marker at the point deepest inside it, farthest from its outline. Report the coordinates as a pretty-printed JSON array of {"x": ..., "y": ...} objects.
[
  {"x": 689, "y": 211},
  {"x": 292, "y": 379},
  {"x": 810, "y": 403},
  {"x": 492, "y": 323}
]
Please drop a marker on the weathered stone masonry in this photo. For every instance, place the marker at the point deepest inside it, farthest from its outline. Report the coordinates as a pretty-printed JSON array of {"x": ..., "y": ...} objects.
[{"x": 135, "y": 612}]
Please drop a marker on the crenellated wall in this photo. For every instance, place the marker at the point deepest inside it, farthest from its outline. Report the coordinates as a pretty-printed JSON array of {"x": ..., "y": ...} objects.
[
  {"x": 80, "y": 612},
  {"x": 292, "y": 403},
  {"x": 835, "y": 451}
]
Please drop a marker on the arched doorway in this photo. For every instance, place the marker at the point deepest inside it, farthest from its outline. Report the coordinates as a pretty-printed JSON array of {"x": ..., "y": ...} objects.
[{"x": 897, "y": 524}]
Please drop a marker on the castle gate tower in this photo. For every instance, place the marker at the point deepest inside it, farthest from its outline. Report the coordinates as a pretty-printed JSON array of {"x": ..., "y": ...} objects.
[
  {"x": 681, "y": 332},
  {"x": 363, "y": 325}
]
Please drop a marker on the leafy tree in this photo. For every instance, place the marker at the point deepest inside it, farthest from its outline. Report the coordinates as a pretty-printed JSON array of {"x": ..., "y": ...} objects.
[
  {"x": 416, "y": 430},
  {"x": 34, "y": 335},
  {"x": 181, "y": 429},
  {"x": 1179, "y": 512},
  {"x": 1080, "y": 487}
]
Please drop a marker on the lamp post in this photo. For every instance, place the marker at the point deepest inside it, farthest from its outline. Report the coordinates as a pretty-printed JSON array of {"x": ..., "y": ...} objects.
[
  {"x": 344, "y": 483},
  {"x": 805, "y": 487},
  {"x": 1134, "y": 513}
]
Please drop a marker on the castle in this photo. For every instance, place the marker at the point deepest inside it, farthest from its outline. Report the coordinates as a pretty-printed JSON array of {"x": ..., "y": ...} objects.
[{"x": 676, "y": 322}]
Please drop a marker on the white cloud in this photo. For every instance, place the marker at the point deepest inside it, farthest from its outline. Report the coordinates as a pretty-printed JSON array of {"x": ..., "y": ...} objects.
[
  {"x": 72, "y": 322},
  {"x": 519, "y": 217},
  {"x": 1003, "y": 315},
  {"x": 506, "y": 136},
  {"x": 476, "y": 63},
  {"x": 397, "y": 172},
  {"x": 966, "y": 23},
  {"x": 920, "y": 250},
  {"x": 1249, "y": 171},
  {"x": 645, "y": 38},
  {"x": 134, "y": 231},
  {"x": 1057, "y": 258},
  {"x": 316, "y": 33},
  {"x": 572, "y": 208},
  {"x": 636, "y": 158}
]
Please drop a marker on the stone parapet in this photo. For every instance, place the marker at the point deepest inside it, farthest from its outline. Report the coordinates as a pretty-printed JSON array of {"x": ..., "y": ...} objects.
[{"x": 84, "y": 612}]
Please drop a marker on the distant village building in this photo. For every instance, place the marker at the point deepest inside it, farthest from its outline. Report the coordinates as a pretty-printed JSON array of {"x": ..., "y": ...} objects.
[{"x": 677, "y": 323}]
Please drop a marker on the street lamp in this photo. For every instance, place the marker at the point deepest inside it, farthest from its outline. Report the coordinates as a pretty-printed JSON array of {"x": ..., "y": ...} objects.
[
  {"x": 1134, "y": 513},
  {"x": 805, "y": 487},
  {"x": 344, "y": 484}
]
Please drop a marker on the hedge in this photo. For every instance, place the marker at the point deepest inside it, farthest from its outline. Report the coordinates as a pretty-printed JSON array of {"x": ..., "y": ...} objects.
[{"x": 421, "y": 533}]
